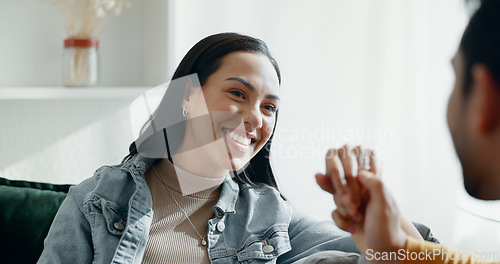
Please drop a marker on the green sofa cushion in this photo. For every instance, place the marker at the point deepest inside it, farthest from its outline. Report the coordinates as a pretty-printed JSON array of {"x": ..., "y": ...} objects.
[{"x": 26, "y": 213}]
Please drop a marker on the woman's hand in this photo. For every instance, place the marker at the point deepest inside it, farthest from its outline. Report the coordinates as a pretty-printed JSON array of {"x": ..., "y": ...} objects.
[{"x": 364, "y": 206}]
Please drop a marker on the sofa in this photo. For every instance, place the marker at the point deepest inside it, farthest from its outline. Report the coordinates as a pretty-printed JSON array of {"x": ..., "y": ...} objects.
[{"x": 26, "y": 213}]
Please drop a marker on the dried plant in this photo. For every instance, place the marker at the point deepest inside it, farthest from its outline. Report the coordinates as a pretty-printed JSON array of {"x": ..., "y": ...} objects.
[{"x": 87, "y": 18}]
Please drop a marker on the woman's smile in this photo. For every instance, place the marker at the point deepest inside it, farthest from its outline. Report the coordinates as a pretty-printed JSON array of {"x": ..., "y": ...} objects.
[{"x": 239, "y": 140}]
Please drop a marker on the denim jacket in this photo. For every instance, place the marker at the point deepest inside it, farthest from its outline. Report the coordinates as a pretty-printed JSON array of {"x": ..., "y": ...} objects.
[{"x": 107, "y": 218}]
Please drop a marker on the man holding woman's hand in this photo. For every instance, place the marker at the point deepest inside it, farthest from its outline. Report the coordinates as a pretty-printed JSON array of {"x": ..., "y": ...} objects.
[{"x": 364, "y": 206}]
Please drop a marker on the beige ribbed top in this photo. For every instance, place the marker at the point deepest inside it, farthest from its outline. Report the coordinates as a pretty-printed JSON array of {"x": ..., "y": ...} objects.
[{"x": 172, "y": 239}]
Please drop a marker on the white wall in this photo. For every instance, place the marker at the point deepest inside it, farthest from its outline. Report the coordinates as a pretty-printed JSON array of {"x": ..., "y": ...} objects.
[{"x": 62, "y": 140}]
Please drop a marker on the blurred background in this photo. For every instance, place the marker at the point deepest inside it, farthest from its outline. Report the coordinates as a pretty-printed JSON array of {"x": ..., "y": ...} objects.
[{"x": 372, "y": 72}]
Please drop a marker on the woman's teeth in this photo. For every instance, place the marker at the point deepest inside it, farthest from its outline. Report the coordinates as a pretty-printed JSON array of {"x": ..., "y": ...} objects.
[{"x": 242, "y": 140}]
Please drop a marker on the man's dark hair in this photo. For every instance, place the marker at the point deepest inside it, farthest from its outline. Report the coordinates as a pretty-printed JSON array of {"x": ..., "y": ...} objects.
[{"x": 481, "y": 40}]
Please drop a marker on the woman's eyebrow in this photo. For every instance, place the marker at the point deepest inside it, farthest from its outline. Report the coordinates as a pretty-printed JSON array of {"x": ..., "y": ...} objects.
[
  {"x": 251, "y": 87},
  {"x": 243, "y": 81}
]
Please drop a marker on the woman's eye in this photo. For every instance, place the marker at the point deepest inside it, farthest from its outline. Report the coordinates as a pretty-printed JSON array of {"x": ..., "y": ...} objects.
[
  {"x": 238, "y": 93},
  {"x": 270, "y": 108}
]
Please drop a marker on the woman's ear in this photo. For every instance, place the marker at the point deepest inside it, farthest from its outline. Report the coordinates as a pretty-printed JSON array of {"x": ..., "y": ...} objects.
[{"x": 485, "y": 94}]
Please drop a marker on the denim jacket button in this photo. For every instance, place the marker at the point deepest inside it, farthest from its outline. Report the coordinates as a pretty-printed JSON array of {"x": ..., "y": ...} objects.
[
  {"x": 268, "y": 249},
  {"x": 221, "y": 226},
  {"x": 119, "y": 225}
]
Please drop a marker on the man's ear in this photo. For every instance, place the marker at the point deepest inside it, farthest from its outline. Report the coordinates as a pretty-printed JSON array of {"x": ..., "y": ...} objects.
[{"x": 485, "y": 95}]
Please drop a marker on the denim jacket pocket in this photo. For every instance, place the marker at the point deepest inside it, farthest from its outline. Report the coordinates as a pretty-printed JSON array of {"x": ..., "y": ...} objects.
[
  {"x": 266, "y": 247},
  {"x": 114, "y": 221}
]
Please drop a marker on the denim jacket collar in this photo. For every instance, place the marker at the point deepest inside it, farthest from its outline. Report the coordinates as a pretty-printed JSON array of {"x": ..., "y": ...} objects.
[
  {"x": 137, "y": 162},
  {"x": 228, "y": 197}
]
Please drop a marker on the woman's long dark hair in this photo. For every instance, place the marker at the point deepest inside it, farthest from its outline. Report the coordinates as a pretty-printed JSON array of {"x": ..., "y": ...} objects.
[{"x": 204, "y": 59}]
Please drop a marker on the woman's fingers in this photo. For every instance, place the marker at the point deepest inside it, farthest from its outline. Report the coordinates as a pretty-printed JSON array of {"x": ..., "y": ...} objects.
[
  {"x": 335, "y": 174},
  {"x": 363, "y": 156},
  {"x": 325, "y": 183},
  {"x": 341, "y": 167},
  {"x": 375, "y": 164},
  {"x": 334, "y": 169},
  {"x": 348, "y": 156}
]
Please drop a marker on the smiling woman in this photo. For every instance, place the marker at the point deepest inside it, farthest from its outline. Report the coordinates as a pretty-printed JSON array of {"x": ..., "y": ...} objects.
[{"x": 197, "y": 186}]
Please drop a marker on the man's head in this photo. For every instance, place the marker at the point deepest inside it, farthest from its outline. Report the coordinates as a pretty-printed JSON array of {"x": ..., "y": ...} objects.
[{"x": 474, "y": 106}]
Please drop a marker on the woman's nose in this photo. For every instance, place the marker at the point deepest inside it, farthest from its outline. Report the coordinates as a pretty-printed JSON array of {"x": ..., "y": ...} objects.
[{"x": 252, "y": 118}]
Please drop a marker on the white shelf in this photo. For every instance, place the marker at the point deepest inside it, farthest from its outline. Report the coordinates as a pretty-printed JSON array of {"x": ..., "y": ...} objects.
[{"x": 48, "y": 93}]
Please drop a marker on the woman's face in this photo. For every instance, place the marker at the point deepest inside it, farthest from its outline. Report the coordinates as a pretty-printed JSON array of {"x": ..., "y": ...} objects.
[{"x": 241, "y": 99}]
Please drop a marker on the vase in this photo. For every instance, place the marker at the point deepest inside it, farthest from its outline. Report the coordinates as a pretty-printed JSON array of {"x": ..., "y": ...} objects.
[{"x": 80, "y": 62}]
